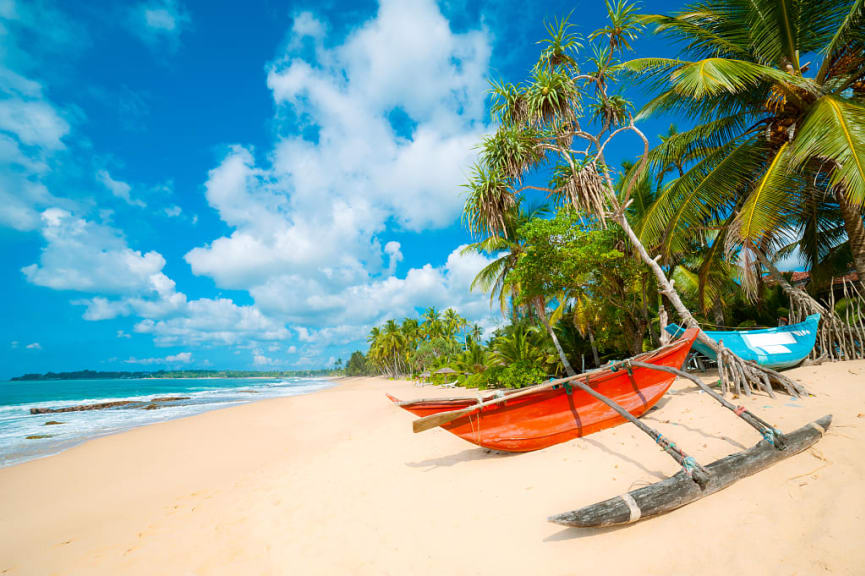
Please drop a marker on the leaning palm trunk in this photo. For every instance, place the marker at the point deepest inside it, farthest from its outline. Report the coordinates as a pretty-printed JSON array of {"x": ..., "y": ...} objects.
[
  {"x": 837, "y": 338},
  {"x": 539, "y": 305},
  {"x": 737, "y": 375}
]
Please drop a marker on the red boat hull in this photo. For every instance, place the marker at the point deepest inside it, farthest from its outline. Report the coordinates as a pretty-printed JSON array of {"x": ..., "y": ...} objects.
[{"x": 552, "y": 416}]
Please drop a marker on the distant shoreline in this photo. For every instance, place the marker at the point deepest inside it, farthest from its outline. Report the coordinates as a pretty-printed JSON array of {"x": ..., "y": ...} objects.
[{"x": 170, "y": 375}]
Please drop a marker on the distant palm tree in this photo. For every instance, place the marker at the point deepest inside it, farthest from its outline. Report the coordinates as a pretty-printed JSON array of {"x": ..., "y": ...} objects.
[
  {"x": 393, "y": 345},
  {"x": 433, "y": 326},
  {"x": 476, "y": 332},
  {"x": 453, "y": 322}
]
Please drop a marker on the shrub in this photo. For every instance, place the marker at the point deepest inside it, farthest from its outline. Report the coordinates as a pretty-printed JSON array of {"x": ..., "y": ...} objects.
[{"x": 522, "y": 373}]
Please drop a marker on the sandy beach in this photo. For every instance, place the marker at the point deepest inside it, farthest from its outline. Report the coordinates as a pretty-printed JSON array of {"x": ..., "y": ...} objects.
[{"x": 336, "y": 483}]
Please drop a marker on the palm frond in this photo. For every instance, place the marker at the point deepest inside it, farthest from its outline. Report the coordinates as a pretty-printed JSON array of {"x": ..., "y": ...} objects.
[
  {"x": 761, "y": 221},
  {"x": 834, "y": 132}
]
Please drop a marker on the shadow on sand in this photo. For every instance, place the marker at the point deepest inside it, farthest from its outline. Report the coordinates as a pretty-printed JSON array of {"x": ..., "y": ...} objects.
[
  {"x": 657, "y": 474},
  {"x": 467, "y": 455},
  {"x": 567, "y": 533}
]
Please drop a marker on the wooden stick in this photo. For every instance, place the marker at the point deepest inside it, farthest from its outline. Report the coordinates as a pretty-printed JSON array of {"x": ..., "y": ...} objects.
[{"x": 697, "y": 472}]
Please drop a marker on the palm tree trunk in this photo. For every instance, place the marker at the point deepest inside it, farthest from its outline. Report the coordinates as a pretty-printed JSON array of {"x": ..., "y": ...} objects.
[
  {"x": 855, "y": 233},
  {"x": 593, "y": 345},
  {"x": 539, "y": 305},
  {"x": 663, "y": 320}
]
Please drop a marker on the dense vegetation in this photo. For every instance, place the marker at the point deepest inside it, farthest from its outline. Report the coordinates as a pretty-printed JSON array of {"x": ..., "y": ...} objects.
[{"x": 773, "y": 165}]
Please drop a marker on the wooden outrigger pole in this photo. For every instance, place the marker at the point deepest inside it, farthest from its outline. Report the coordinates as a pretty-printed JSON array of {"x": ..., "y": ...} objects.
[{"x": 694, "y": 481}]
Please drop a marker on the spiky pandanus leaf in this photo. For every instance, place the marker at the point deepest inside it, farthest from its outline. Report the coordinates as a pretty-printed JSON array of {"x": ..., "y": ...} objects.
[
  {"x": 509, "y": 106},
  {"x": 552, "y": 96},
  {"x": 490, "y": 197},
  {"x": 584, "y": 188},
  {"x": 511, "y": 150},
  {"x": 624, "y": 27},
  {"x": 560, "y": 45}
]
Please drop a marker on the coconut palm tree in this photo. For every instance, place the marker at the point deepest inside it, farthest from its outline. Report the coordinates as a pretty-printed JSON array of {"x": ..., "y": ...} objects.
[
  {"x": 774, "y": 134},
  {"x": 393, "y": 345},
  {"x": 544, "y": 124},
  {"x": 453, "y": 322},
  {"x": 476, "y": 332},
  {"x": 432, "y": 326}
]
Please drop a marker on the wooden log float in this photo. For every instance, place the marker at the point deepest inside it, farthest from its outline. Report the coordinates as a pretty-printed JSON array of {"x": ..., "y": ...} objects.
[{"x": 680, "y": 489}]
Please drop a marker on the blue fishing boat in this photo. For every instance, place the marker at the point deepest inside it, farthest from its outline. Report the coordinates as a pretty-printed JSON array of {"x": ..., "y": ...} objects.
[{"x": 781, "y": 347}]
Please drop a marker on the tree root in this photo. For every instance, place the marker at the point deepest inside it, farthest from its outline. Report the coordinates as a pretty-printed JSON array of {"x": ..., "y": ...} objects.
[{"x": 744, "y": 377}]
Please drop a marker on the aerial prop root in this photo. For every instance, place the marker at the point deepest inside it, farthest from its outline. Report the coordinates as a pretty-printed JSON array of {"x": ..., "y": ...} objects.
[{"x": 744, "y": 376}]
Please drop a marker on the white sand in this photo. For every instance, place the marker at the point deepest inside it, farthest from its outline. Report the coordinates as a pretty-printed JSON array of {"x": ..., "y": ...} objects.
[{"x": 336, "y": 483}]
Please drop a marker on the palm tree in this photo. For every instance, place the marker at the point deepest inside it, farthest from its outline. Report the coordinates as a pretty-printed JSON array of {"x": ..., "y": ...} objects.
[
  {"x": 453, "y": 322},
  {"x": 412, "y": 333},
  {"x": 476, "y": 332},
  {"x": 541, "y": 125},
  {"x": 432, "y": 326},
  {"x": 506, "y": 245},
  {"x": 473, "y": 359},
  {"x": 521, "y": 343},
  {"x": 375, "y": 354},
  {"x": 393, "y": 346},
  {"x": 775, "y": 134}
]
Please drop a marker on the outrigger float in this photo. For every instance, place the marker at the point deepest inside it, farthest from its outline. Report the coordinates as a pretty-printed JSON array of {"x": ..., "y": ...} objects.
[{"x": 692, "y": 483}]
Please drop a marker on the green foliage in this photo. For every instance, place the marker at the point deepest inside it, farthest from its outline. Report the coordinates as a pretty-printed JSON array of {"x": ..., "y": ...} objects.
[
  {"x": 521, "y": 373},
  {"x": 777, "y": 141},
  {"x": 357, "y": 365}
]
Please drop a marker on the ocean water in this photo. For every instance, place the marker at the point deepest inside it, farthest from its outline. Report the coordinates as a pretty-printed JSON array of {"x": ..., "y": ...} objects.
[{"x": 17, "y": 398}]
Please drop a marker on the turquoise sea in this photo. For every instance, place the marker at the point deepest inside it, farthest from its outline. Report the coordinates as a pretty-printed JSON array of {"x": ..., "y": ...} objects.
[{"x": 17, "y": 398}]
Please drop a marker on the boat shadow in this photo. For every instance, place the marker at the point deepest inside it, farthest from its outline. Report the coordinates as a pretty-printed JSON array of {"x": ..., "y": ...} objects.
[
  {"x": 702, "y": 433},
  {"x": 468, "y": 455},
  {"x": 575, "y": 533},
  {"x": 604, "y": 448}
]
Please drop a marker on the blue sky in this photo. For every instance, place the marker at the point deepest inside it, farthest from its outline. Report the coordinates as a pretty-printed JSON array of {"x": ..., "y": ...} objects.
[{"x": 216, "y": 184}]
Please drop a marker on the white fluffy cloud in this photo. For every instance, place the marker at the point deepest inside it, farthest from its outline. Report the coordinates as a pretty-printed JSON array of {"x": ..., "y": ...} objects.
[
  {"x": 379, "y": 132},
  {"x": 118, "y": 188},
  {"x": 87, "y": 257},
  {"x": 214, "y": 321},
  {"x": 376, "y": 133},
  {"x": 31, "y": 133},
  {"x": 159, "y": 23}
]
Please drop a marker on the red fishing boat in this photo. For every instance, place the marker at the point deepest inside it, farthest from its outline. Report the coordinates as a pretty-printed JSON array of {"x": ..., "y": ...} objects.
[{"x": 536, "y": 419}]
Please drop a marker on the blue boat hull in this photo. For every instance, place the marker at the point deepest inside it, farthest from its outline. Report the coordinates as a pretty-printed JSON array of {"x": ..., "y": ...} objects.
[{"x": 776, "y": 348}]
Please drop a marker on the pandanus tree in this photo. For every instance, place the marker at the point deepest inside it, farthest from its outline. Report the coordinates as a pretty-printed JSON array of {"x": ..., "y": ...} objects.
[
  {"x": 562, "y": 121},
  {"x": 778, "y": 91}
]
